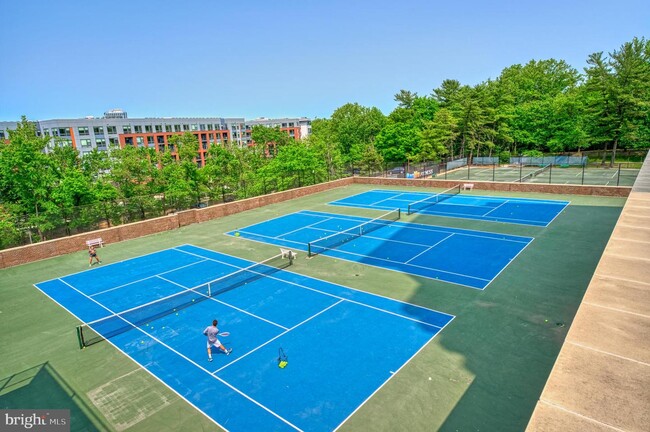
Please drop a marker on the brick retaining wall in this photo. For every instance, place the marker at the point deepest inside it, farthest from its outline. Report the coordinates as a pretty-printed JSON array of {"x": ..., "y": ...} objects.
[
  {"x": 613, "y": 191},
  {"x": 61, "y": 246}
]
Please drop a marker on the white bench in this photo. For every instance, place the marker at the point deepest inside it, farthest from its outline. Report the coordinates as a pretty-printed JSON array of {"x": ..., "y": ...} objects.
[
  {"x": 468, "y": 186},
  {"x": 286, "y": 253},
  {"x": 95, "y": 242}
]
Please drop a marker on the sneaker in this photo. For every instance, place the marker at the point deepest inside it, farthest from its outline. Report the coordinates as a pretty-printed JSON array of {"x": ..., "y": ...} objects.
[
  {"x": 229, "y": 351},
  {"x": 209, "y": 358}
]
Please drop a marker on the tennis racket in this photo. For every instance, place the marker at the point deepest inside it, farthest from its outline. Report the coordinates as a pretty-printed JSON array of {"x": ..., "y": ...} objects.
[{"x": 224, "y": 334}]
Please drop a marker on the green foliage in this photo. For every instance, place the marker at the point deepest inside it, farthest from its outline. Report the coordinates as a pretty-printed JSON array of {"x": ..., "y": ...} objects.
[{"x": 47, "y": 190}]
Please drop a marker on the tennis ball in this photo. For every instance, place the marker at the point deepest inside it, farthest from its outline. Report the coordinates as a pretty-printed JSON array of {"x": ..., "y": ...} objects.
[
  {"x": 237, "y": 234},
  {"x": 545, "y": 320}
]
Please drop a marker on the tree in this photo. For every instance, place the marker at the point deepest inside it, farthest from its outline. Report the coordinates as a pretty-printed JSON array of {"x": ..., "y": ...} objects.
[
  {"x": 405, "y": 99},
  {"x": 353, "y": 124},
  {"x": 324, "y": 144},
  {"x": 618, "y": 95},
  {"x": 396, "y": 141},
  {"x": 26, "y": 176},
  {"x": 136, "y": 176},
  {"x": 270, "y": 138},
  {"x": 181, "y": 175},
  {"x": 439, "y": 135}
]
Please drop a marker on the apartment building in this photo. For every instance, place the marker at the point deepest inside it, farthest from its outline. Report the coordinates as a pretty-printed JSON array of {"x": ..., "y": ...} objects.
[{"x": 116, "y": 130}]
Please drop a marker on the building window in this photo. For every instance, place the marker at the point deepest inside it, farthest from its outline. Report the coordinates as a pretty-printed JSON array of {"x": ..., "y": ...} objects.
[
  {"x": 98, "y": 130},
  {"x": 160, "y": 139},
  {"x": 101, "y": 142},
  {"x": 158, "y": 128},
  {"x": 168, "y": 128},
  {"x": 210, "y": 127},
  {"x": 111, "y": 129},
  {"x": 2, "y": 134},
  {"x": 149, "y": 140},
  {"x": 63, "y": 131},
  {"x": 113, "y": 142},
  {"x": 148, "y": 128},
  {"x": 128, "y": 140},
  {"x": 140, "y": 141},
  {"x": 291, "y": 124},
  {"x": 126, "y": 129},
  {"x": 83, "y": 130},
  {"x": 194, "y": 127},
  {"x": 177, "y": 128},
  {"x": 186, "y": 127},
  {"x": 86, "y": 143},
  {"x": 138, "y": 129}
]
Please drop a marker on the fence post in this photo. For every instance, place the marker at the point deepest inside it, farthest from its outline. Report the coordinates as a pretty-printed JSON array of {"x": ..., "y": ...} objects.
[
  {"x": 550, "y": 170},
  {"x": 583, "y": 173},
  {"x": 618, "y": 177},
  {"x": 520, "y": 170}
]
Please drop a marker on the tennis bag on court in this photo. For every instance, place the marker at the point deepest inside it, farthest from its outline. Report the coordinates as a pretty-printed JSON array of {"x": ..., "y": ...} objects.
[{"x": 283, "y": 360}]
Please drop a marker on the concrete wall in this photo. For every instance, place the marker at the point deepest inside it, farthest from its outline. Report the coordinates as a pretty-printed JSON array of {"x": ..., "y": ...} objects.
[{"x": 61, "y": 246}]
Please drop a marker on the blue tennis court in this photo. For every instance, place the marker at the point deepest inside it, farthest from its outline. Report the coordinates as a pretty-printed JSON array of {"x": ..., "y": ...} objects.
[
  {"x": 463, "y": 257},
  {"x": 497, "y": 209},
  {"x": 335, "y": 337}
]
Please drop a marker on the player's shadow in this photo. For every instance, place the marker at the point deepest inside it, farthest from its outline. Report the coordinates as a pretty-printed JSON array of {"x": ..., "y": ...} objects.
[{"x": 41, "y": 387}]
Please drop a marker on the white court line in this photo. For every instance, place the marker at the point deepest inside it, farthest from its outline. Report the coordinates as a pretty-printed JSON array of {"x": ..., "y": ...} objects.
[
  {"x": 616, "y": 309},
  {"x": 110, "y": 264},
  {"x": 438, "y": 229},
  {"x": 287, "y": 330},
  {"x": 184, "y": 357},
  {"x": 608, "y": 353},
  {"x": 544, "y": 401},
  {"x": 347, "y": 288},
  {"x": 394, "y": 262},
  {"x": 144, "y": 279},
  {"x": 505, "y": 202},
  {"x": 428, "y": 249},
  {"x": 132, "y": 359},
  {"x": 391, "y": 376}
]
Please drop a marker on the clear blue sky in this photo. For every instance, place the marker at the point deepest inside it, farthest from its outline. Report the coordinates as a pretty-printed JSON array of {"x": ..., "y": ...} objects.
[{"x": 276, "y": 58}]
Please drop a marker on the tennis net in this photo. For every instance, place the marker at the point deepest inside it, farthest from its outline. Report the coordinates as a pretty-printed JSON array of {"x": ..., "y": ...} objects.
[
  {"x": 429, "y": 201},
  {"x": 535, "y": 173},
  {"x": 332, "y": 241},
  {"x": 111, "y": 326}
]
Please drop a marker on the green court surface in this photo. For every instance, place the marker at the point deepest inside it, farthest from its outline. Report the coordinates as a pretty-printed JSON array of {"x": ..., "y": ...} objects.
[
  {"x": 485, "y": 371},
  {"x": 574, "y": 175}
]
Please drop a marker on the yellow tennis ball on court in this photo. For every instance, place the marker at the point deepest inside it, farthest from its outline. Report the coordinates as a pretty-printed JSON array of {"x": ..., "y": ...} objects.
[{"x": 237, "y": 234}]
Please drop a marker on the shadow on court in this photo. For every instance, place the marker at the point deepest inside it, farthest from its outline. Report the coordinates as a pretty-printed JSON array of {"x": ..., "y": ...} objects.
[{"x": 41, "y": 387}]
